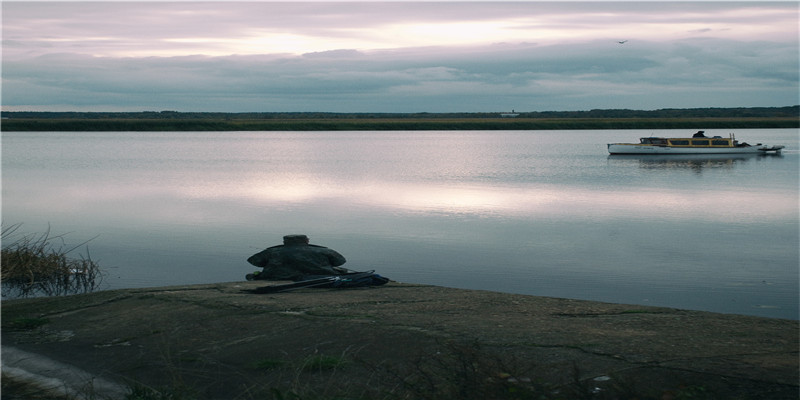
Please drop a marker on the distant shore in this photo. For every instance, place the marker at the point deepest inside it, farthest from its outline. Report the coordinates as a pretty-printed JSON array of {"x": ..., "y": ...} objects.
[
  {"x": 391, "y": 124},
  {"x": 734, "y": 118}
]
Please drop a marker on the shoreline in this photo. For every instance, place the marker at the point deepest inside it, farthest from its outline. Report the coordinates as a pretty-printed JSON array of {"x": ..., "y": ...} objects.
[
  {"x": 193, "y": 336},
  {"x": 384, "y": 124}
]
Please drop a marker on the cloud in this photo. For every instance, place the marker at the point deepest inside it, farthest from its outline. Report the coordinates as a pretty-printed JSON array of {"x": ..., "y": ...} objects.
[
  {"x": 397, "y": 57},
  {"x": 212, "y": 28}
]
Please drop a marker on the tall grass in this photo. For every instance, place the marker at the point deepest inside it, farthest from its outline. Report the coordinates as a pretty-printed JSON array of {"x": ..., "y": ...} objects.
[{"x": 38, "y": 265}]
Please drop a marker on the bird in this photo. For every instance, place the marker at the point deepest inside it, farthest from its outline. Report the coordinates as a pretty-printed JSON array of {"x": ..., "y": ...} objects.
[{"x": 622, "y": 41}]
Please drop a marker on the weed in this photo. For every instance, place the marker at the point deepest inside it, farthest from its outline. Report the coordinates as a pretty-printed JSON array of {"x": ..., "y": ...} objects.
[
  {"x": 692, "y": 393},
  {"x": 269, "y": 364},
  {"x": 638, "y": 311},
  {"x": 464, "y": 371},
  {"x": 25, "y": 324},
  {"x": 278, "y": 394},
  {"x": 32, "y": 265},
  {"x": 321, "y": 362},
  {"x": 141, "y": 392}
]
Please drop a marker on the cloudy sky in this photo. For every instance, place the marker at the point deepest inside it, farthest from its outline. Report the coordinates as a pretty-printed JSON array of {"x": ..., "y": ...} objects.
[{"x": 397, "y": 56}]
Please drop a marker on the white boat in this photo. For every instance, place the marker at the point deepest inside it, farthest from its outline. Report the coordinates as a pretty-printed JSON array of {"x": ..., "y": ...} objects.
[{"x": 697, "y": 144}]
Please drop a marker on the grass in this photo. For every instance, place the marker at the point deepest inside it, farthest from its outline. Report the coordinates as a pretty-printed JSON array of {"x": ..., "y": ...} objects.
[
  {"x": 269, "y": 364},
  {"x": 454, "y": 370},
  {"x": 24, "y": 324},
  {"x": 38, "y": 264},
  {"x": 312, "y": 363},
  {"x": 321, "y": 362},
  {"x": 141, "y": 392}
]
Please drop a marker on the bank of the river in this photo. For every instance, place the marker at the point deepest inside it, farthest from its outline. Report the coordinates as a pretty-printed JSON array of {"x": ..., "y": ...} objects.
[
  {"x": 386, "y": 124},
  {"x": 218, "y": 341}
]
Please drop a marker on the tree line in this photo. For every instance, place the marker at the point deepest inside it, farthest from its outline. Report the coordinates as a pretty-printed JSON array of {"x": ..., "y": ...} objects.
[
  {"x": 700, "y": 118},
  {"x": 739, "y": 112}
]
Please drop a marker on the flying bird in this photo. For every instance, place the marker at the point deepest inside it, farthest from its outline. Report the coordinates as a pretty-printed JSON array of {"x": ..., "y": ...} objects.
[{"x": 622, "y": 41}]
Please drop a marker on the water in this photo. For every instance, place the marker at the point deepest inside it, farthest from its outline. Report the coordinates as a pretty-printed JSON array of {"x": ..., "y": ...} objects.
[{"x": 545, "y": 213}]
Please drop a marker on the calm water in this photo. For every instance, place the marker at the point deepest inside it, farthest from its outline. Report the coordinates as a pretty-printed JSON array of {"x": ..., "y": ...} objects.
[{"x": 536, "y": 212}]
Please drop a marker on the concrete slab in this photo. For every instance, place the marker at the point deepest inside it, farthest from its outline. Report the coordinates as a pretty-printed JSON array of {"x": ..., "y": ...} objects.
[{"x": 218, "y": 341}]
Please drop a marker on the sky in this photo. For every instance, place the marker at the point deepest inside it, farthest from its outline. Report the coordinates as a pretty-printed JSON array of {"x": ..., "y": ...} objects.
[{"x": 406, "y": 56}]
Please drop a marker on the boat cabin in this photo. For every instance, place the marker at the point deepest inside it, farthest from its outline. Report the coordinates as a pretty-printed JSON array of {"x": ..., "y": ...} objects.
[{"x": 715, "y": 141}]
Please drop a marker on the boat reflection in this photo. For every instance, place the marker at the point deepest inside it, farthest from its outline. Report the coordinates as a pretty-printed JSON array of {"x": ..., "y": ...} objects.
[{"x": 696, "y": 162}]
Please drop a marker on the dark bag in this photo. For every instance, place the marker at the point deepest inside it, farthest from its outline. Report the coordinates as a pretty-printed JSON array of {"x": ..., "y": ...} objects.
[
  {"x": 358, "y": 279},
  {"x": 344, "y": 281}
]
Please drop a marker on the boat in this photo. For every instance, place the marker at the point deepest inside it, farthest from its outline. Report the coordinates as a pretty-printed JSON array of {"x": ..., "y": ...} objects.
[{"x": 697, "y": 144}]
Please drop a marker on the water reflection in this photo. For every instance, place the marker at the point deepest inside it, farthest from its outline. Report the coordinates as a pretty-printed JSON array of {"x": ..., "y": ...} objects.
[
  {"x": 537, "y": 201},
  {"x": 166, "y": 202},
  {"x": 694, "y": 162}
]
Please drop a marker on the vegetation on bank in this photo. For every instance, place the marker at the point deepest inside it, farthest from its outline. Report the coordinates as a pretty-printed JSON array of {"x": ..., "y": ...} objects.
[
  {"x": 458, "y": 371},
  {"x": 701, "y": 118},
  {"x": 34, "y": 265}
]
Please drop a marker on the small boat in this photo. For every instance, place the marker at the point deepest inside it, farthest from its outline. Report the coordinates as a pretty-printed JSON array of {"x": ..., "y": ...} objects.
[{"x": 697, "y": 144}]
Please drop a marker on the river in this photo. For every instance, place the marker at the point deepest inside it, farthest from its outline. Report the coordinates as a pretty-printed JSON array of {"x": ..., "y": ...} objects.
[{"x": 546, "y": 213}]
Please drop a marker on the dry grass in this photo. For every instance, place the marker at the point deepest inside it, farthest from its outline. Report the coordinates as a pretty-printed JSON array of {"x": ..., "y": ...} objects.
[{"x": 38, "y": 265}]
